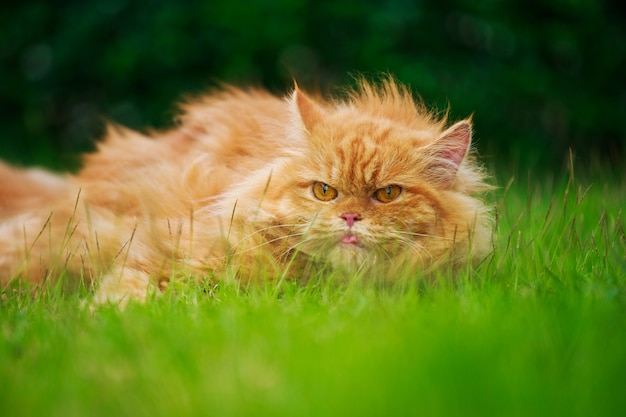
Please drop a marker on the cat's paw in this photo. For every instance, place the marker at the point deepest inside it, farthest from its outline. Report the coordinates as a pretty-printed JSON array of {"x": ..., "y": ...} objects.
[{"x": 120, "y": 287}]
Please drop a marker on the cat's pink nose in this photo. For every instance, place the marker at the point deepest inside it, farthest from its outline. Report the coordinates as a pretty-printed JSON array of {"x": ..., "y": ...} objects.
[{"x": 350, "y": 218}]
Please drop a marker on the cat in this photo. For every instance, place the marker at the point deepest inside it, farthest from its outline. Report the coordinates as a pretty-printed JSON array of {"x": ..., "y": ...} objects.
[{"x": 368, "y": 183}]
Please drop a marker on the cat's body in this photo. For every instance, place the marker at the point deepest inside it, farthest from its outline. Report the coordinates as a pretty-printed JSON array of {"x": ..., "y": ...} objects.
[{"x": 258, "y": 183}]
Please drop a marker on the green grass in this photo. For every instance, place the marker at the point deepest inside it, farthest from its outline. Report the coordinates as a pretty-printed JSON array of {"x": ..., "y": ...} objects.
[{"x": 538, "y": 329}]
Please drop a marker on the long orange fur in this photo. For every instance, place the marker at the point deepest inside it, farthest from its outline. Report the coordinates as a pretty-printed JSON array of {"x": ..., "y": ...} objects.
[{"x": 232, "y": 186}]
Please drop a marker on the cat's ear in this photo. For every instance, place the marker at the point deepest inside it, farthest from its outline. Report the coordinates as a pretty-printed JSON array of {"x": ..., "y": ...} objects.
[
  {"x": 447, "y": 152},
  {"x": 307, "y": 110}
]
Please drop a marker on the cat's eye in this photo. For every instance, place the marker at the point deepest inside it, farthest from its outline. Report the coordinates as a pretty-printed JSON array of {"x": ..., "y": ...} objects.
[
  {"x": 324, "y": 192},
  {"x": 387, "y": 194}
]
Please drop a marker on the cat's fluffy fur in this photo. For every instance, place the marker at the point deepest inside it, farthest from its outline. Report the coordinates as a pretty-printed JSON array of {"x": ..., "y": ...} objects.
[{"x": 232, "y": 184}]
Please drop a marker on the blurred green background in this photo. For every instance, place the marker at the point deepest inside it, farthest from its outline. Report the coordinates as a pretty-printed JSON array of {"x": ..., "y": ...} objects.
[{"x": 540, "y": 76}]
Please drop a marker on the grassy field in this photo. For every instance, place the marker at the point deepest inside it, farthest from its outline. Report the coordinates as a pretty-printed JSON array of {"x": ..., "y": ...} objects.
[{"x": 538, "y": 329}]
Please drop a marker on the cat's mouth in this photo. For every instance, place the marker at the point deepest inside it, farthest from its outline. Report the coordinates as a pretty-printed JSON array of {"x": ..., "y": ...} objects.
[{"x": 351, "y": 239}]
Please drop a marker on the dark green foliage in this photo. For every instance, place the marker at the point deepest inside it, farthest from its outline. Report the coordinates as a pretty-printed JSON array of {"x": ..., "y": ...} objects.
[{"x": 539, "y": 76}]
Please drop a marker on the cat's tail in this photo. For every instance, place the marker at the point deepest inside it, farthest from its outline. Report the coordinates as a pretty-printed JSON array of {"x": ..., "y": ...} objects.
[
  {"x": 28, "y": 231},
  {"x": 22, "y": 190}
]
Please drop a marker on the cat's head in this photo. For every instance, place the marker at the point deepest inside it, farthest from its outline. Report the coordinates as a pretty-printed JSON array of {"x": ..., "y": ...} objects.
[{"x": 376, "y": 179}]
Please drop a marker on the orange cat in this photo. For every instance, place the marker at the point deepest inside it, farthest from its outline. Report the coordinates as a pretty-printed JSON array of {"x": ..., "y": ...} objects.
[{"x": 372, "y": 183}]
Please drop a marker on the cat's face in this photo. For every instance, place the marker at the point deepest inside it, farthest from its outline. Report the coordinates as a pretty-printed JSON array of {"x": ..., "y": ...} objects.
[{"x": 365, "y": 190}]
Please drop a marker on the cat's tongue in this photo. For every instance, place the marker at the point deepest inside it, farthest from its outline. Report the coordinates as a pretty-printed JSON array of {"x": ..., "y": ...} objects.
[{"x": 351, "y": 239}]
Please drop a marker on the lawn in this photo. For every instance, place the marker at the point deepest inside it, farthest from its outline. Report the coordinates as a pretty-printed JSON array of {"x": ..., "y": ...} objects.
[{"x": 539, "y": 328}]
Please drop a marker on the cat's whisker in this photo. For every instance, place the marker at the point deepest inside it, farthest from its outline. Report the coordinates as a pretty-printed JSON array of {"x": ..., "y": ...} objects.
[
  {"x": 293, "y": 247},
  {"x": 407, "y": 242},
  {"x": 404, "y": 232},
  {"x": 268, "y": 242},
  {"x": 387, "y": 254},
  {"x": 267, "y": 228},
  {"x": 415, "y": 247}
]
